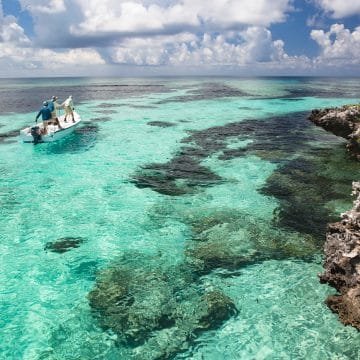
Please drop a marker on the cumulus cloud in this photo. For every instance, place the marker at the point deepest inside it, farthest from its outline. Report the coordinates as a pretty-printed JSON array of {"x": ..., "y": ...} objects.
[
  {"x": 255, "y": 44},
  {"x": 136, "y": 17},
  {"x": 339, "y": 45},
  {"x": 32, "y": 58},
  {"x": 37, "y": 7},
  {"x": 217, "y": 34},
  {"x": 76, "y": 23},
  {"x": 17, "y": 51},
  {"x": 340, "y": 8},
  {"x": 10, "y": 31},
  {"x": 56, "y": 59}
]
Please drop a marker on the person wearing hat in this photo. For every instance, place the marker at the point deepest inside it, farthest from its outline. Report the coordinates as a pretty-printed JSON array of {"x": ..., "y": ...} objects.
[
  {"x": 69, "y": 108},
  {"x": 53, "y": 106},
  {"x": 45, "y": 115}
]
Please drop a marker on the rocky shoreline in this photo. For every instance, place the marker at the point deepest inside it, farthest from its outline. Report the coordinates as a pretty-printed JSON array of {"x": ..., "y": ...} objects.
[
  {"x": 342, "y": 263},
  {"x": 344, "y": 122},
  {"x": 342, "y": 246}
]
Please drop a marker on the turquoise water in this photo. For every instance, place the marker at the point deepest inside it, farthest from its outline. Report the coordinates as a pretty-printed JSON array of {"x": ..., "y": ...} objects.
[{"x": 247, "y": 212}]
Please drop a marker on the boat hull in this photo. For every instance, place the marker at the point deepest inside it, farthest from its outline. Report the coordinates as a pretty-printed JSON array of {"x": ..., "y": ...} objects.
[{"x": 53, "y": 133}]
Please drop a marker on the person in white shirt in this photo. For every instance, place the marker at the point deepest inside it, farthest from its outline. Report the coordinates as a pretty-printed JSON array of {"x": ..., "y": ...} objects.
[
  {"x": 53, "y": 108},
  {"x": 68, "y": 106}
]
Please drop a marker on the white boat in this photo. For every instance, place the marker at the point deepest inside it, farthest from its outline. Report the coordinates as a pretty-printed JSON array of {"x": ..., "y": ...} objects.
[{"x": 35, "y": 133}]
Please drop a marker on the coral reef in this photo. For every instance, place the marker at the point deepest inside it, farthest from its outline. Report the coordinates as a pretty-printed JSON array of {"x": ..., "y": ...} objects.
[
  {"x": 305, "y": 188},
  {"x": 344, "y": 122},
  {"x": 64, "y": 244},
  {"x": 211, "y": 90},
  {"x": 229, "y": 239},
  {"x": 8, "y": 135},
  {"x": 275, "y": 139},
  {"x": 176, "y": 177},
  {"x": 342, "y": 263},
  {"x": 162, "y": 124},
  {"x": 155, "y": 308}
]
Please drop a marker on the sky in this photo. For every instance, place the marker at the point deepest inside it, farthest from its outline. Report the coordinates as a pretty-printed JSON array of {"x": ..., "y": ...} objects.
[{"x": 179, "y": 37}]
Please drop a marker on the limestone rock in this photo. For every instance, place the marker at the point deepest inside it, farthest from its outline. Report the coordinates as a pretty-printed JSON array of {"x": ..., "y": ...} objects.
[
  {"x": 342, "y": 263},
  {"x": 344, "y": 122}
]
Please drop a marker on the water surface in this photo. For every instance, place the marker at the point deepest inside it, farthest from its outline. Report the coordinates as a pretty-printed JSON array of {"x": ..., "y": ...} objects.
[{"x": 225, "y": 173}]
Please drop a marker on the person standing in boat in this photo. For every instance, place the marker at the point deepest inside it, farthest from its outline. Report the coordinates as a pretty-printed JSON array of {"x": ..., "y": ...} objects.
[
  {"x": 45, "y": 115},
  {"x": 69, "y": 108},
  {"x": 53, "y": 105}
]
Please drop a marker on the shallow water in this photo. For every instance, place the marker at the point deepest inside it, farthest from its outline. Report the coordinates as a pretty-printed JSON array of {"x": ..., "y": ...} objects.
[{"x": 178, "y": 170}]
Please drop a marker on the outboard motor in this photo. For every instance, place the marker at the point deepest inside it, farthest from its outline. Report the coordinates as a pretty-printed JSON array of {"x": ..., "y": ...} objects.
[{"x": 36, "y": 134}]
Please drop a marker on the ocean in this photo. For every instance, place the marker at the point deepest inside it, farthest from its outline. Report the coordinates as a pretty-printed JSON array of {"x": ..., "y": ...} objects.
[{"x": 184, "y": 219}]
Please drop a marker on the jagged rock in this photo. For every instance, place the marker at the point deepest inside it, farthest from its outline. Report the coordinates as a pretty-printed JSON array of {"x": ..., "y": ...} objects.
[
  {"x": 344, "y": 122},
  {"x": 342, "y": 263},
  {"x": 347, "y": 306}
]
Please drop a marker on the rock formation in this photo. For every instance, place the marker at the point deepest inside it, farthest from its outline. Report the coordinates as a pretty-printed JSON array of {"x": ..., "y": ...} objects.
[
  {"x": 342, "y": 264},
  {"x": 342, "y": 246},
  {"x": 344, "y": 122}
]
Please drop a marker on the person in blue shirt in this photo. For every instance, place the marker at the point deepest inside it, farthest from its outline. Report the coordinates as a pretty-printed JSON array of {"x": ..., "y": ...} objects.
[
  {"x": 50, "y": 105},
  {"x": 45, "y": 115}
]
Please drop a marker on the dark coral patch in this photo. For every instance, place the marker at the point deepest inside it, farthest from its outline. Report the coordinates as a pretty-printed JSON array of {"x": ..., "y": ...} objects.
[
  {"x": 101, "y": 119},
  {"x": 106, "y": 111},
  {"x": 4, "y": 137},
  {"x": 286, "y": 135},
  {"x": 207, "y": 91},
  {"x": 107, "y": 105},
  {"x": 184, "y": 171},
  {"x": 177, "y": 177},
  {"x": 249, "y": 108},
  {"x": 229, "y": 239},
  {"x": 304, "y": 187},
  {"x": 163, "y": 124},
  {"x": 89, "y": 128},
  {"x": 142, "y": 106},
  {"x": 64, "y": 244},
  {"x": 155, "y": 307}
]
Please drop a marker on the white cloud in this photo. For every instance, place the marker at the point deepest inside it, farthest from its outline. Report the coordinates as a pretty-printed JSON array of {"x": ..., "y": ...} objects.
[
  {"x": 250, "y": 46},
  {"x": 30, "y": 57},
  {"x": 149, "y": 50},
  {"x": 10, "y": 31},
  {"x": 17, "y": 51},
  {"x": 36, "y": 7},
  {"x": 339, "y": 45},
  {"x": 130, "y": 17},
  {"x": 340, "y": 8},
  {"x": 155, "y": 34},
  {"x": 56, "y": 59},
  {"x": 136, "y": 17}
]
